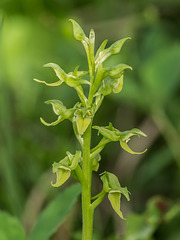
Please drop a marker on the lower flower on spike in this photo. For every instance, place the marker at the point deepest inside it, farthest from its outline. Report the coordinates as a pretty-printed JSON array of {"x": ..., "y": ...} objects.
[
  {"x": 64, "y": 167},
  {"x": 112, "y": 186},
  {"x": 114, "y": 134},
  {"x": 63, "y": 173}
]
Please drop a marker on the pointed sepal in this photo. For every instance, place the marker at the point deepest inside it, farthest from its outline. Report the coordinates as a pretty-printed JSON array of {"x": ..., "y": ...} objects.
[{"x": 78, "y": 31}]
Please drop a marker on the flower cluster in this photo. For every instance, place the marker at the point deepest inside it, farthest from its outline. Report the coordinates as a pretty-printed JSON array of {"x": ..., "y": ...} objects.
[{"x": 102, "y": 82}]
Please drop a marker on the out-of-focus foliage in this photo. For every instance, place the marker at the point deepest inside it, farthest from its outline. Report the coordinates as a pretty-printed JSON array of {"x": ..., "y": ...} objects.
[
  {"x": 50, "y": 219},
  {"x": 10, "y": 228},
  {"x": 33, "y": 33},
  {"x": 158, "y": 211}
]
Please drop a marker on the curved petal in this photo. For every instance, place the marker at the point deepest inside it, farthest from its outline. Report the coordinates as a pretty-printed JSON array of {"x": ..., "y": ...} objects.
[
  {"x": 60, "y": 119},
  {"x": 55, "y": 84},
  {"x": 127, "y": 148}
]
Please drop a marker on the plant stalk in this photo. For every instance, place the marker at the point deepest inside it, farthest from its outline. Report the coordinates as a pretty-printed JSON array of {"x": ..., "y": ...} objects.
[{"x": 87, "y": 212}]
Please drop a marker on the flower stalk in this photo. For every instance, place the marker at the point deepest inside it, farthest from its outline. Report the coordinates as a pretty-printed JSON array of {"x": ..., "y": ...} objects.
[{"x": 103, "y": 81}]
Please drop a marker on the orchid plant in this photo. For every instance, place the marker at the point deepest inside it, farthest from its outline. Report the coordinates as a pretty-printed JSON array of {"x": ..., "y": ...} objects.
[{"x": 102, "y": 82}]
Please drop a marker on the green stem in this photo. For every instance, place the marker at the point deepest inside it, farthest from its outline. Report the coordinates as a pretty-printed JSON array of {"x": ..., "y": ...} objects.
[
  {"x": 86, "y": 187},
  {"x": 96, "y": 150},
  {"x": 100, "y": 198}
]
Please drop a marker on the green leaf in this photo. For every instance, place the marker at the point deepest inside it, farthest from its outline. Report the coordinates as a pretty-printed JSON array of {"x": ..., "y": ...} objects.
[
  {"x": 10, "y": 227},
  {"x": 114, "y": 198},
  {"x": 55, "y": 213},
  {"x": 78, "y": 32}
]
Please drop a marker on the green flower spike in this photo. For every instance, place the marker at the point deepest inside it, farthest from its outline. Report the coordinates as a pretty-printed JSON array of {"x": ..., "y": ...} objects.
[
  {"x": 112, "y": 186},
  {"x": 114, "y": 135},
  {"x": 64, "y": 167},
  {"x": 60, "y": 110}
]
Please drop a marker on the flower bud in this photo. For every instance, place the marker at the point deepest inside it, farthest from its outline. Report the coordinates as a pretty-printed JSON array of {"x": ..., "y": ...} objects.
[{"x": 78, "y": 32}]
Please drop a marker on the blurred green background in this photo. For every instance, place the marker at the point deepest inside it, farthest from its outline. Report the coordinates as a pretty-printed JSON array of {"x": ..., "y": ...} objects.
[{"x": 35, "y": 32}]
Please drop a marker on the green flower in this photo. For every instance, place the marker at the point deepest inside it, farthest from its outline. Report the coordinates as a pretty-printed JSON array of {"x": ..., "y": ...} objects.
[
  {"x": 114, "y": 135},
  {"x": 60, "y": 110},
  {"x": 64, "y": 167},
  {"x": 72, "y": 79},
  {"x": 112, "y": 186}
]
